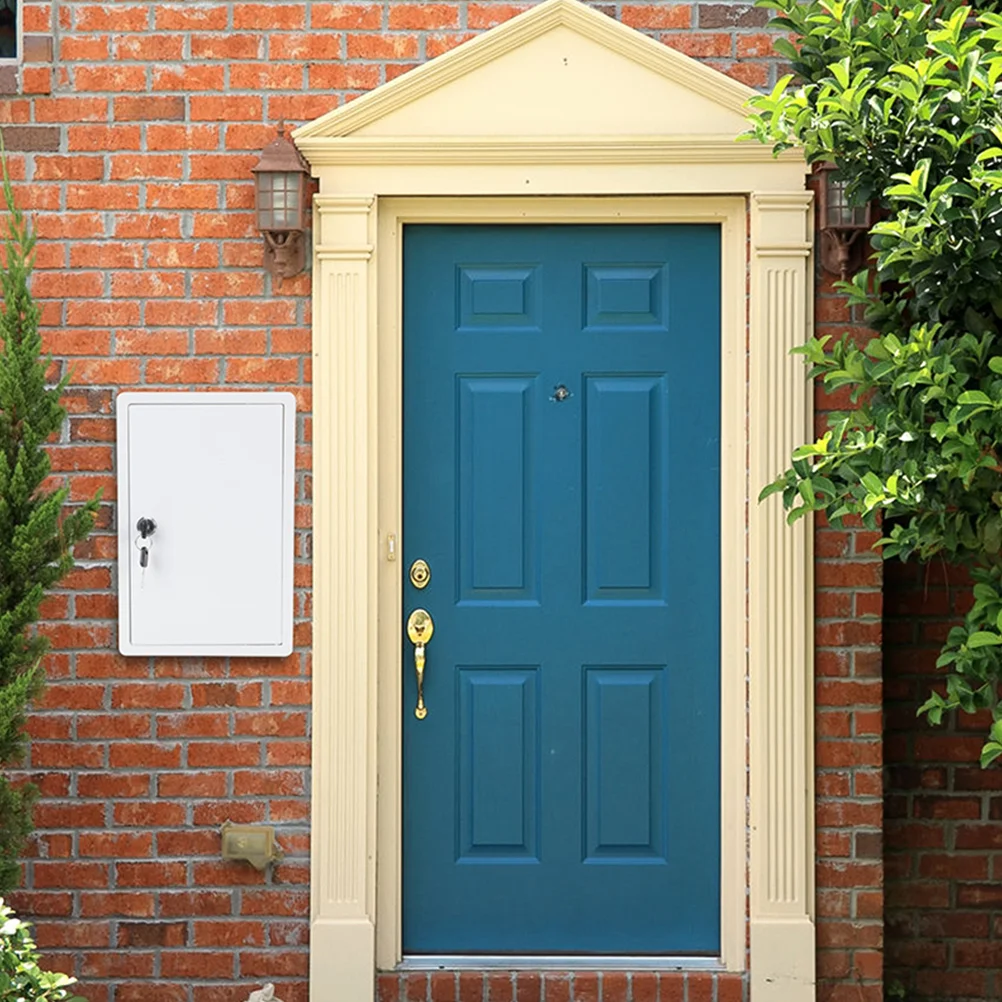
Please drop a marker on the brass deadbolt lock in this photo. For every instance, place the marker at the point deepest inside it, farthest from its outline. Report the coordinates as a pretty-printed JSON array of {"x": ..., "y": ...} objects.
[{"x": 420, "y": 574}]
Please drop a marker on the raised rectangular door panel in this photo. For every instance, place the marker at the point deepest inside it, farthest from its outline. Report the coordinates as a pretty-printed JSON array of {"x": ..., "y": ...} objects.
[
  {"x": 626, "y": 740},
  {"x": 626, "y": 495},
  {"x": 561, "y": 479},
  {"x": 215, "y": 472},
  {"x": 498, "y": 780},
  {"x": 497, "y": 517}
]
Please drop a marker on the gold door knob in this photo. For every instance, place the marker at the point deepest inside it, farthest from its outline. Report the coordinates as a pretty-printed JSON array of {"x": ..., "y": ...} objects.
[{"x": 419, "y": 629}]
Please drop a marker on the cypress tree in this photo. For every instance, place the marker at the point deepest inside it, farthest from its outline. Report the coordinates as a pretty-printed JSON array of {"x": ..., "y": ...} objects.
[{"x": 37, "y": 531}]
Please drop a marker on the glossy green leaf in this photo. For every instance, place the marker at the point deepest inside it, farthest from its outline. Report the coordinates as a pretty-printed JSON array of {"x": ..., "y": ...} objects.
[
  {"x": 989, "y": 753},
  {"x": 983, "y": 639}
]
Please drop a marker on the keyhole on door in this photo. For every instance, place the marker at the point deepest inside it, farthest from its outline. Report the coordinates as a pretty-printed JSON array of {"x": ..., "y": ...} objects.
[{"x": 420, "y": 573}]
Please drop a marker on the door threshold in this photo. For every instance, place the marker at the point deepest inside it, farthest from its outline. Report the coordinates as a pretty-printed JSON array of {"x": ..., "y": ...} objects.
[{"x": 554, "y": 962}]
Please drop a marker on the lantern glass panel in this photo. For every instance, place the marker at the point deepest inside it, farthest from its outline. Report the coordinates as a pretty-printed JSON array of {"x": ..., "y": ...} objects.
[
  {"x": 278, "y": 201},
  {"x": 838, "y": 210}
]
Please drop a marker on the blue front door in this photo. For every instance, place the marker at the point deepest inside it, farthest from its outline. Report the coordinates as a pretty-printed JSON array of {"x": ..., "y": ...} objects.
[{"x": 561, "y": 480}]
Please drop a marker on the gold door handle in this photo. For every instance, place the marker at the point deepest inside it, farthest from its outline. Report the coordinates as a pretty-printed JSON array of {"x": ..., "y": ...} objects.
[{"x": 419, "y": 629}]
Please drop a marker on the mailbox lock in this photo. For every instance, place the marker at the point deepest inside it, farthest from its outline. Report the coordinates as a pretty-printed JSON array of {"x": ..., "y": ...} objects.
[{"x": 145, "y": 527}]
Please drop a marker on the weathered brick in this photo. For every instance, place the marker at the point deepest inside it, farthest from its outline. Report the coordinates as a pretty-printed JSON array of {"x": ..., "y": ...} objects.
[
  {"x": 191, "y": 17},
  {"x": 423, "y": 16},
  {"x": 382, "y": 47},
  {"x": 346, "y": 15},
  {"x": 30, "y": 138},
  {"x": 148, "y": 108},
  {"x": 37, "y": 49},
  {"x": 732, "y": 15},
  {"x": 658, "y": 15},
  {"x": 273, "y": 16}
]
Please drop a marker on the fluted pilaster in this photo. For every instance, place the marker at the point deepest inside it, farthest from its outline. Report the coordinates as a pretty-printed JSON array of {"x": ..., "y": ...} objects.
[
  {"x": 344, "y": 598},
  {"x": 781, "y": 610}
]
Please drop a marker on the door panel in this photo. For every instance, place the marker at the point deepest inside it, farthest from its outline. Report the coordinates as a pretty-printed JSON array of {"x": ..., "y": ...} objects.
[
  {"x": 561, "y": 479},
  {"x": 624, "y": 772},
  {"x": 625, "y": 484},
  {"x": 498, "y": 734},
  {"x": 497, "y": 515}
]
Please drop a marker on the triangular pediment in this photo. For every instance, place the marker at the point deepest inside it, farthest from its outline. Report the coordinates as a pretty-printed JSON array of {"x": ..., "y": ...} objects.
[{"x": 559, "y": 70}]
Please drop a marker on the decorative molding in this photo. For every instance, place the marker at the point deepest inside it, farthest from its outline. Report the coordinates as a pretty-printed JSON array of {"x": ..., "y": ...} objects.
[
  {"x": 362, "y": 253},
  {"x": 357, "y": 490},
  {"x": 327, "y": 152},
  {"x": 512, "y": 34},
  {"x": 344, "y": 597},
  {"x": 781, "y": 653}
]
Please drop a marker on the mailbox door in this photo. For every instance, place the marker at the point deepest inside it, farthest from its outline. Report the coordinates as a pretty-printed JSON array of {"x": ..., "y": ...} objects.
[{"x": 215, "y": 472}]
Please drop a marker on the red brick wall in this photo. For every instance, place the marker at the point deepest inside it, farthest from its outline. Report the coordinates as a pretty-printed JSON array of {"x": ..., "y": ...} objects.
[
  {"x": 557, "y": 986},
  {"x": 849, "y": 726},
  {"x": 944, "y": 840},
  {"x": 136, "y": 142}
]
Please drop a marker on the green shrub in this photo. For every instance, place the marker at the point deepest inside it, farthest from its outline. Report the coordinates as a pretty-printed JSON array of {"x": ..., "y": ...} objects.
[
  {"x": 905, "y": 98},
  {"x": 37, "y": 533},
  {"x": 21, "y": 979}
]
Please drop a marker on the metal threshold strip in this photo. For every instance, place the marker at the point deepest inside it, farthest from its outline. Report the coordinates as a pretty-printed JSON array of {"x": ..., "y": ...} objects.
[{"x": 551, "y": 962}]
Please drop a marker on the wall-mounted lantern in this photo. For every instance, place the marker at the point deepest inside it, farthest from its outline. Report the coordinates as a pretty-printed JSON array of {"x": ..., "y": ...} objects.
[
  {"x": 281, "y": 177},
  {"x": 843, "y": 226}
]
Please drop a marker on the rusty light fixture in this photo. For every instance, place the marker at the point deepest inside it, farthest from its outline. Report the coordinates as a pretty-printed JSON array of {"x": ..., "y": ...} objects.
[
  {"x": 281, "y": 177},
  {"x": 843, "y": 226}
]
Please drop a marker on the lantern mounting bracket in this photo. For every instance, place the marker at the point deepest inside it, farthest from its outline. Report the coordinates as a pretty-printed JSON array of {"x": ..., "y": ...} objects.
[
  {"x": 284, "y": 253},
  {"x": 841, "y": 251}
]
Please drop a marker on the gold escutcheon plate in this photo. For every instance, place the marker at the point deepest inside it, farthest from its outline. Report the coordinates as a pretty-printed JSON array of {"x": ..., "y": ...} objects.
[
  {"x": 420, "y": 627},
  {"x": 420, "y": 574}
]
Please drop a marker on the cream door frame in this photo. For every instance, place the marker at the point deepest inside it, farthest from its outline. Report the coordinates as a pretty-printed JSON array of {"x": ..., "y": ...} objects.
[
  {"x": 369, "y": 185},
  {"x": 358, "y": 665}
]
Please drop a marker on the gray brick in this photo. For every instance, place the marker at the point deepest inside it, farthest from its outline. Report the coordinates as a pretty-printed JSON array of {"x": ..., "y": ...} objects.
[
  {"x": 732, "y": 15},
  {"x": 31, "y": 138}
]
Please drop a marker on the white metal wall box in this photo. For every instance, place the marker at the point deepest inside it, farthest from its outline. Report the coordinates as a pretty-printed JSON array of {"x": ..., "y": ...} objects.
[{"x": 216, "y": 473}]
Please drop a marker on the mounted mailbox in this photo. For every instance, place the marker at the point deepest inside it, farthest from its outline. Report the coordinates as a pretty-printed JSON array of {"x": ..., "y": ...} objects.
[{"x": 205, "y": 535}]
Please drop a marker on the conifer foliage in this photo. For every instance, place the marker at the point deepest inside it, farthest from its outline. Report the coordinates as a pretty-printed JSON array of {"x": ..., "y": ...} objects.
[{"x": 37, "y": 532}]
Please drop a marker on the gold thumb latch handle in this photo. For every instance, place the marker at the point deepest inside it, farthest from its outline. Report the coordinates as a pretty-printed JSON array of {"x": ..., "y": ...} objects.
[
  {"x": 419, "y": 629},
  {"x": 420, "y": 711}
]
